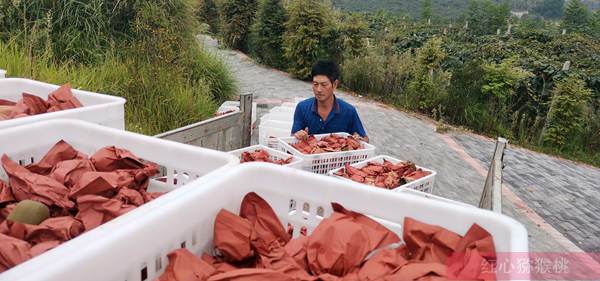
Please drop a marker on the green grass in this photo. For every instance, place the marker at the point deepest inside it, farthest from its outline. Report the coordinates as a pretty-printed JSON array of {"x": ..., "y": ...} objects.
[{"x": 157, "y": 99}]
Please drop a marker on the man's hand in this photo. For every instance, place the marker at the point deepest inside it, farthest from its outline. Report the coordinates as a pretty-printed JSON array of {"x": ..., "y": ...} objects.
[{"x": 302, "y": 134}]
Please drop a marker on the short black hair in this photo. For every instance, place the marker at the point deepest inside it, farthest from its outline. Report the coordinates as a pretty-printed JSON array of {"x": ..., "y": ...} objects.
[{"x": 327, "y": 68}]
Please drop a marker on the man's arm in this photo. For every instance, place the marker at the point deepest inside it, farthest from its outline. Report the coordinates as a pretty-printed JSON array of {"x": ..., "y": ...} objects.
[{"x": 298, "y": 120}]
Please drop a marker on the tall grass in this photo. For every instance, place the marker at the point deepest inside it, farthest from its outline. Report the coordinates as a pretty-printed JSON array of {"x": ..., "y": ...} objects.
[
  {"x": 145, "y": 51},
  {"x": 157, "y": 101}
]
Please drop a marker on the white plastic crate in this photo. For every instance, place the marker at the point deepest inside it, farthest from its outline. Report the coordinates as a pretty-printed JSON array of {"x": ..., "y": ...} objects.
[
  {"x": 278, "y": 116},
  {"x": 424, "y": 184},
  {"x": 275, "y": 155},
  {"x": 97, "y": 108},
  {"x": 322, "y": 163},
  {"x": 180, "y": 164},
  {"x": 278, "y": 124},
  {"x": 297, "y": 197},
  {"x": 282, "y": 109},
  {"x": 270, "y": 130},
  {"x": 269, "y": 136}
]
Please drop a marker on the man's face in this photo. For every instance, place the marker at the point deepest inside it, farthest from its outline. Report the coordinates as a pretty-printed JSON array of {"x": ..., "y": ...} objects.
[{"x": 323, "y": 88}]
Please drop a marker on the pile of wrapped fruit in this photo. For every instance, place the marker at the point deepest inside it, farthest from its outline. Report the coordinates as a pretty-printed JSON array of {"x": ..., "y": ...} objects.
[
  {"x": 331, "y": 143},
  {"x": 261, "y": 155},
  {"x": 385, "y": 175},
  {"x": 29, "y": 104},
  {"x": 347, "y": 246},
  {"x": 65, "y": 194}
]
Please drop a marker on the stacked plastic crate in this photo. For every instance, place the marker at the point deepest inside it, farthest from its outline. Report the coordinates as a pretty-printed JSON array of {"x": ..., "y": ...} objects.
[{"x": 275, "y": 124}]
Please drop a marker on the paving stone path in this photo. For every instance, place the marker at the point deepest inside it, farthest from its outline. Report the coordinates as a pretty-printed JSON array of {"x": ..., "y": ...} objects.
[{"x": 558, "y": 201}]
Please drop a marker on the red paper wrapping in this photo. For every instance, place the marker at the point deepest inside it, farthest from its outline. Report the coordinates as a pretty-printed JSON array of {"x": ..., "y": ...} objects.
[
  {"x": 43, "y": 247},
  {"x": 416, "y": 270},
  {"x": 27, "y": 185},
  {"x": 6, "y": 195},
  {"x": 356, "y": 236},
  {"x": 184, "y": 266},
  {"x": 267, "y": 228},
  {"x": 219, "y": 266},
  {"x": 95, "y": 210},
  {"x": 252, "y": 274},
  {"x": 12, "y": 252},
  {"x": 232, "y": 236},
  {"x": 61, "y": 151},
  {"x": 69, "y": 172},
  {"x": 130, "y": 197},
  {"x": 55, "y": 229},
  {"x": 112, "y": 158},
  {"x": 105, "y": 184},
  {"x": 29, "y": 105},
  {"x": 428, "y": 243},
  {"x": 383, "y": 263},
  {"x": 62, "y": 99}
]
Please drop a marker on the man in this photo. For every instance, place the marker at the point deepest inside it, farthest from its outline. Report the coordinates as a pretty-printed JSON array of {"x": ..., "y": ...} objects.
[{"x": 326, "y": 113}]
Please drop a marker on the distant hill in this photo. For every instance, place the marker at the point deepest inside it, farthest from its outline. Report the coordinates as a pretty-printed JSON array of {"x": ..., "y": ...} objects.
[
  {"x": 449, "y": 9},
  {"x": 411, "y": 8}
]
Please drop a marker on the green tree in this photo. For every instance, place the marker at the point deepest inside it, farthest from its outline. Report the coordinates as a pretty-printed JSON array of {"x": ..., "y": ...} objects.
[
  {"x": 500, "y": 83},
  {"x": 354, "y": 29},
  {"x": 426, "y": 10},
  {"x": 595, "y": 24},
  {"x": 308, "y": 35},
  {"x": 577, "y": 17},
  {"x": 501, "y": 80},
  {"x": 528, "y": 22},
  {"x": 431, "y": 55},
  {"x": 207, "y": 13},
  {"x": 267, "y": 33},
  {"x": 485, "y": 17},
  {"x": 551, "y": 9},
  {"x": 428, "y": 88},
  {"x": 565, "y": 118},
  {"x": 237, "y": 16}
]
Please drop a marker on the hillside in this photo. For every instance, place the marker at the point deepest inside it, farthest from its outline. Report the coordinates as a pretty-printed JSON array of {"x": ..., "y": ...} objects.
[{"x": 451, "y": 9}]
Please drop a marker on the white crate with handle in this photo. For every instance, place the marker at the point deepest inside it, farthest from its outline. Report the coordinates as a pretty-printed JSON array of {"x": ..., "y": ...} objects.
[
  {"x": 97, "y": 108},
  {"x": 296, "y": 162},
  {"x": 322, "y": 163},
  {"x": 138, "y": 251},
  {"x": 278, "y": 116},
  {"x": 180, "y": 164},
  {"x": 424, "y": 184},
  {"x": 270, "y": 130},
  {"x": 282, "y": 109}
]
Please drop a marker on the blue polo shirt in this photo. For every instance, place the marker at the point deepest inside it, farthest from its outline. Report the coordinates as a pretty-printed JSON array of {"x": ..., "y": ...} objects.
[{"x": 342, "y": 118}]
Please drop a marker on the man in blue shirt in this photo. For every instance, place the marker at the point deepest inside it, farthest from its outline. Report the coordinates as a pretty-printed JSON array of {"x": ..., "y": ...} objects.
[{"x": 325, "y": 113}]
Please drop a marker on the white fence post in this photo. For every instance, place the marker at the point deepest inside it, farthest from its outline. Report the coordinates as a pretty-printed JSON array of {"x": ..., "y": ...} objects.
[{"x": 2, "y": 73}]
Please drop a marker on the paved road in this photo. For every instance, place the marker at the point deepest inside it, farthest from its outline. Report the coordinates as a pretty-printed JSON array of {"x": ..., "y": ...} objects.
[
  {"x": 564, "y": 193},
  {"x": 557, "y": 201}
]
